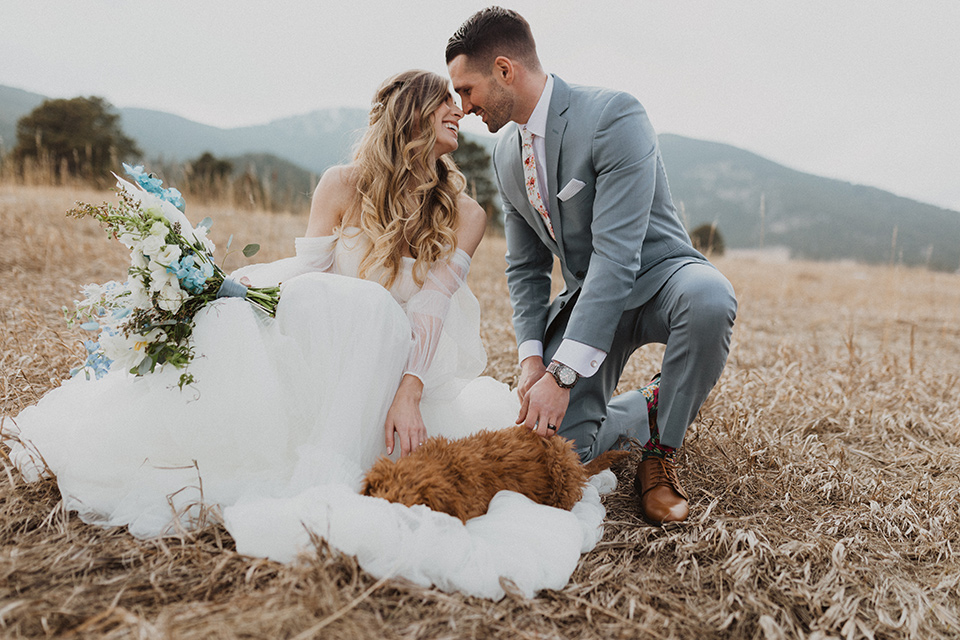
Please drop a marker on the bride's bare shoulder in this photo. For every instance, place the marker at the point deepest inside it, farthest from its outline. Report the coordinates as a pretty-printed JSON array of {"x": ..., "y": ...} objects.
[
  {"x": 333, "y": 197},
  {"x": 338, "y": 182},
  {"x": 471, "y": 223}
]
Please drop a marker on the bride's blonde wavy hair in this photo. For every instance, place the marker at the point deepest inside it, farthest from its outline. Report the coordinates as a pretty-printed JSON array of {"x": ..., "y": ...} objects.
[{"x": 406, "y": 202}]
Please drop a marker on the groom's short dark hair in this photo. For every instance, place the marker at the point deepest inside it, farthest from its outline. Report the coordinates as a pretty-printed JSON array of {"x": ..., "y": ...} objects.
[{"x": 493, "y": 32}]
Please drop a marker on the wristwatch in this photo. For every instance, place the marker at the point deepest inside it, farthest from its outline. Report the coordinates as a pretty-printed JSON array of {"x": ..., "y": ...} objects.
[{"x": 565, "y": 376}]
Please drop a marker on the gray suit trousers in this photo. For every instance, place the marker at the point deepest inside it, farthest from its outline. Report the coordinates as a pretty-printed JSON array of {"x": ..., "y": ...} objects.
[{"x": 693, "y": 315}]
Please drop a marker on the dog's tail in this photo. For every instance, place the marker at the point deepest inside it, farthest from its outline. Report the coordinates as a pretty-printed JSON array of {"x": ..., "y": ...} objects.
[{"x": 604, "y": 461}]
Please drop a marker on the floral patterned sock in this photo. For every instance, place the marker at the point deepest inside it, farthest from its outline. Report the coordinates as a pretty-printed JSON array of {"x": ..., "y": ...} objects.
[{"x": 653, "y": 448}]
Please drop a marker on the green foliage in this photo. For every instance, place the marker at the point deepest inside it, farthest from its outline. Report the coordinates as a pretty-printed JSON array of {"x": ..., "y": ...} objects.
[
  {"x": 79, "y": 136},
  {"x": 253, "y": 180},
  {"x": 208, "y": 168},
  {"x": 707, "y": 240},
  {"x": 474, "y": 163},
  {"x": 207, "y": 178}
]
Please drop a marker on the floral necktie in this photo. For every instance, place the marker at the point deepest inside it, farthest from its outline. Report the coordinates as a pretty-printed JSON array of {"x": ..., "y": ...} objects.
[{"x": 530, "y": 177}]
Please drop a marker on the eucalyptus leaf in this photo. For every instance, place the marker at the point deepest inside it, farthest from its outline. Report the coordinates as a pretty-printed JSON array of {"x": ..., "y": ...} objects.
[
  {"x": 206, "y": 223},
  {"x": 146, "y": 365},
  {"x": 251, "y": 250},
  {"x": 229, "y": 241}
]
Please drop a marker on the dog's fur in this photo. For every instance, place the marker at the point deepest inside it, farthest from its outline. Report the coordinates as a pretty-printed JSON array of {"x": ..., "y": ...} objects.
[{"x": 460, "y": 477}]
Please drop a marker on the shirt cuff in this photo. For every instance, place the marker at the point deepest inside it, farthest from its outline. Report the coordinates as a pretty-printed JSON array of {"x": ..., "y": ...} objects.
[
  {"x": 582, "y": 358},
  {"x": 530, "y": 348}
]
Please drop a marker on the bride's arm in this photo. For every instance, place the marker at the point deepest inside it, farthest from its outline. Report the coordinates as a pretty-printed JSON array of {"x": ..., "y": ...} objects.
[
  {"x": 427, "y": 310},
  {"x": 333, "y": 196}
]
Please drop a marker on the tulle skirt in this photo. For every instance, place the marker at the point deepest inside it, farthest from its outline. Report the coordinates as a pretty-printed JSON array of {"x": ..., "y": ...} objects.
[{"x": 274, "y": 437}]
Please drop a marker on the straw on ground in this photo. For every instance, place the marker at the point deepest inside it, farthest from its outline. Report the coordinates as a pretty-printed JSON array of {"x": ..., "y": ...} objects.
[{"x": 823, "y": 473}]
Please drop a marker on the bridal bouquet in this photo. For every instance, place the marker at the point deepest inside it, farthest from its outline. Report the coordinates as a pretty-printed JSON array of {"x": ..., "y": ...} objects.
[{"x": 147, "y": 320}]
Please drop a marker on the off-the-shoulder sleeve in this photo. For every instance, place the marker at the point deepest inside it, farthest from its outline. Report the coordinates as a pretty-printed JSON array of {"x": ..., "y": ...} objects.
[
  {"x": 313, "y": 255},
  {"x": 316, "y": 253},
  {"x": 428, "y": 308}
]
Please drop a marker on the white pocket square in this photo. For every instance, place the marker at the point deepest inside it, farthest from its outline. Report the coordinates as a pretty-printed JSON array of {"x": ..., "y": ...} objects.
[{"x": 573, "y": 188}]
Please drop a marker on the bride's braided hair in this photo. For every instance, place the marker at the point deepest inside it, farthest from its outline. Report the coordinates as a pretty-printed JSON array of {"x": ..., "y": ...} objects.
[{"x": 406, "y": 203}]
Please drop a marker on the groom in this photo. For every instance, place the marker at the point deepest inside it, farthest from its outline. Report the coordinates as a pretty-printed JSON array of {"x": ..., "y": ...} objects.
[{"x": 581, "y": 178}]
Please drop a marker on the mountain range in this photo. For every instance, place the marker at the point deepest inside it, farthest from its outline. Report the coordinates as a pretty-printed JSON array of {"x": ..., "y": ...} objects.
[
  {"x": 757, "y": 203},
  {"x": 754, "y": 202}
]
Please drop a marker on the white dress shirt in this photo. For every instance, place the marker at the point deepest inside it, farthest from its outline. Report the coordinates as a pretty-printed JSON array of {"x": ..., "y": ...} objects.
[{"x": 582, "y": 358}]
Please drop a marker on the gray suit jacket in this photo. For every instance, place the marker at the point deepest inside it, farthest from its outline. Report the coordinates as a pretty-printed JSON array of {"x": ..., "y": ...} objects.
[{"x": 618, "y": 239}]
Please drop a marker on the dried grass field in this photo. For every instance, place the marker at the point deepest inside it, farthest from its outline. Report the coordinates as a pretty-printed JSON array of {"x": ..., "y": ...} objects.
[{"x": 823, "y": 473}]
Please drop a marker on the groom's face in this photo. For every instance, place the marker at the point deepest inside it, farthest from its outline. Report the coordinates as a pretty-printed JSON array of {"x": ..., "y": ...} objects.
[{"x": 481, "y": 94}]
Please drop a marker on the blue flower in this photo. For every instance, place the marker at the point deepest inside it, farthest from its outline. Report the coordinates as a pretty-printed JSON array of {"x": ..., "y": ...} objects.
[
  {"x": 154, "y": 185},
  {"x": 96, "y": 363},
  {"x": 133, "y": 172},
  {"x": 120, "y": 313},
  {"x": 192, "y": 277},
  {"x": 174, "y": 197}
]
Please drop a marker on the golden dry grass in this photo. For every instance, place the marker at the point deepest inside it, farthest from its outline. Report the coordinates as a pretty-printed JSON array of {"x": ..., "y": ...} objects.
[{"x": 823, "y": 474}]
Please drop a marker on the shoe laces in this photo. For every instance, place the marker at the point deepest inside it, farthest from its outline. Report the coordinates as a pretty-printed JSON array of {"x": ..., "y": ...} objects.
[{"x": 664, "y": 473}]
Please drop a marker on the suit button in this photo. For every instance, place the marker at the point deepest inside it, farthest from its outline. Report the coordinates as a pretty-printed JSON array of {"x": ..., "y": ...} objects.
[
  {"x": 581, "y": 275},
  {"x": 563, "y": 304}
]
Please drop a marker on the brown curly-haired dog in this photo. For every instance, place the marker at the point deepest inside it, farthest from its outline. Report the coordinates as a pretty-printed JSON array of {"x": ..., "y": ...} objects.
[{"x": 460, "y": 477}]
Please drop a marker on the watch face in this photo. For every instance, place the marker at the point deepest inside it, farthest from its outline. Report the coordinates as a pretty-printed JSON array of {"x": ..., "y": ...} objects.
[{"x": 567, "y": 375}]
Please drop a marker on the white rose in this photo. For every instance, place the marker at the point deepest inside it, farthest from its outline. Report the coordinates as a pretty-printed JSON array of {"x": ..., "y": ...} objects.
[
  {"x": 139, "y": 297},
  {"x": 159, "y": 229},
  {"x": 160, "y": 277},
  {"x": 129, "y": 240},
  {"x": 168, "y": 255},
  {"x": 151, "y": 245},
  {"x": 171, "y": 297},
  {"x": 137, "y": 259}
]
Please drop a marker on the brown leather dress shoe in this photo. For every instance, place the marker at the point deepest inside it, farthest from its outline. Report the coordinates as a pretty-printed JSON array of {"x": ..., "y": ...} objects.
[{"x": 662, "y": 499}]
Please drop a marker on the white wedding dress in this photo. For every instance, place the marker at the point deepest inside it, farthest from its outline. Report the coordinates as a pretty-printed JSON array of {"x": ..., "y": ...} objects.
[{"x": 286, "y": 415}]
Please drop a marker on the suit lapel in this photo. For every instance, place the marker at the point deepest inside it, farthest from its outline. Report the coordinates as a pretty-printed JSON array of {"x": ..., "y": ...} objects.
[{"x": 556, "y": 125}]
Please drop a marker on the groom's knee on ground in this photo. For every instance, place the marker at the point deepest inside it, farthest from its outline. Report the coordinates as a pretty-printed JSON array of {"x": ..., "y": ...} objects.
[{"x": 708, "y": 305}]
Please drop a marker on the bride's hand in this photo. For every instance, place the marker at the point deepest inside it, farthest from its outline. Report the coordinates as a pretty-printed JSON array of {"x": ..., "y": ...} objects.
[{"x": 404, "y": 417}]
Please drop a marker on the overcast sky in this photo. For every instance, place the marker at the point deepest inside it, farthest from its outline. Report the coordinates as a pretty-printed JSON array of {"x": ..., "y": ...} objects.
[{"x": 864, "y": 91}]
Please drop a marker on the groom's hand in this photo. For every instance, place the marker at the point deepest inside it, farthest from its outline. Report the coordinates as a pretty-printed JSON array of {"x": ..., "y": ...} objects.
[
  {"x": 543, "y": 406},
  {"x": 531, "y": 370}
]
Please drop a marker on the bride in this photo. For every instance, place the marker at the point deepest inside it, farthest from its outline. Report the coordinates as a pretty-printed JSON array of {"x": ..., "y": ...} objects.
[{"x": 375, "y": 347}]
